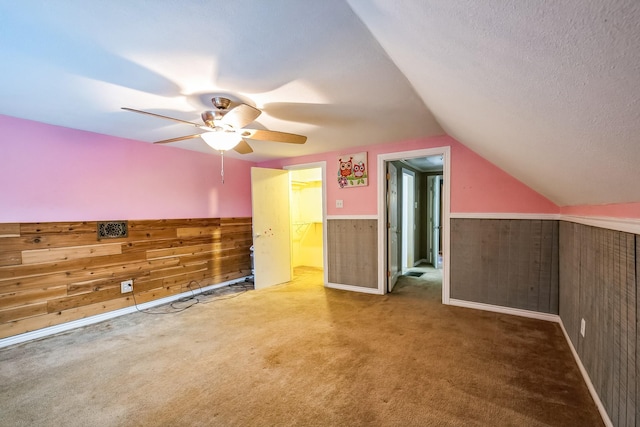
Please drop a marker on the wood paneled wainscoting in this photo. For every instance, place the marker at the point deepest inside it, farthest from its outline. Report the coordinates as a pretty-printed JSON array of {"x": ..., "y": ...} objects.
[
  {"x": 598, "y": 282},
  {"x": 352, "y": 252},
  {"x": 506, "y": 262},
  {"x": 52, "y": 273}
]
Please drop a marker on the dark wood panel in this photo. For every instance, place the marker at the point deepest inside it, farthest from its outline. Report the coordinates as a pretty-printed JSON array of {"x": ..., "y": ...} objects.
[
  {"x": 554, "y": 285},
  {"x": 599, "y": 280},
  {"x": 569, "y": 278},
  {"x": 637, "y": 334},
  {"x": 505, "y": 262},
  {"x": 489, "y": 288},
  {"x": 502, "y": 298},
  {"x": 547, "y": 237},
  {"x": 461, "y": 256},
  {"x": 534, "y": 246},
  {"x": 586, "y": 344},
  {"x": 52, "y": 273},
  {"x": 353, "y": 252}
]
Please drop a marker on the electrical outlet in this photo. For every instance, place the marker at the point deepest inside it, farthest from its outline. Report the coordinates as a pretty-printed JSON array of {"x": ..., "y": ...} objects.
[
  {"x": 126, "y": 286},
  {"x": 339, "y": 204},
  {"x": 583, "y": 326}
]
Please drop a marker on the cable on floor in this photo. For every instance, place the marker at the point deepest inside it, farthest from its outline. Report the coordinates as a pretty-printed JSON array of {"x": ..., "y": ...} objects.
[{"x": 204, "y": 297}]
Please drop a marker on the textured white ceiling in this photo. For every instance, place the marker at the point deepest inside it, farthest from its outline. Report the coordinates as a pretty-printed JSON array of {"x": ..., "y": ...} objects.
[
  {"x": 549, "y": 91},
  {"x": 312, "y": 67}
]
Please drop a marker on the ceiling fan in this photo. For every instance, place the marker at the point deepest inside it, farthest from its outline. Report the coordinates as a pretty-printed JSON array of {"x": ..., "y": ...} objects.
[{"x": 225, "y": 127}]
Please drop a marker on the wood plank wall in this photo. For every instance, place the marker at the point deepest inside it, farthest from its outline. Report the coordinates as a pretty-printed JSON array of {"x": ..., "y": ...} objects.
[
  {"x": 510, "y": 263},
  {"x": 51, "y": 273},
  {"x": 352, "y": 250},
  {"x": 599, "y": 282}
]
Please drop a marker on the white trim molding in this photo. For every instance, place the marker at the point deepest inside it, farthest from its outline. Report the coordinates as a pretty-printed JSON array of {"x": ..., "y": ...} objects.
[
  {"x": 353, "y": 288},
  {"x": 352, "y": 216},
  {"x": 505, "y": 310},
  {"x": 67, "y": 326},
  {"x": 503, "y": 215},
  {"x": 627, "y": 225}
]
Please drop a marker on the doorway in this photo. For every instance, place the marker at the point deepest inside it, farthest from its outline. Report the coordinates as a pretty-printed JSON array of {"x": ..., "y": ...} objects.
[
  {"x": 273, "y": 225},
  {"x": 409, "y": 206},
  {"x": 422, "y": 164},
  {"x": 307, "y": 219}
]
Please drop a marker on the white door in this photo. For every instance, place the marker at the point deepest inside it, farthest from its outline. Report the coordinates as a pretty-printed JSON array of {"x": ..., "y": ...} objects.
[
  {"x": 392, "y": 226},
  {"x": 271, "y": 230}
]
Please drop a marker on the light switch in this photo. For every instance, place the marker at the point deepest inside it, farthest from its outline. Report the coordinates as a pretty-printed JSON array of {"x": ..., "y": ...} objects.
[{"x": 339, "y": 204}]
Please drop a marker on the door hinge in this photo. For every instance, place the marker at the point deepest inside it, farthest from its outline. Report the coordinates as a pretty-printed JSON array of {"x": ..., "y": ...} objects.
[
  {"x": 388, "y": 176},
  {"x": 388, "y": 273}
]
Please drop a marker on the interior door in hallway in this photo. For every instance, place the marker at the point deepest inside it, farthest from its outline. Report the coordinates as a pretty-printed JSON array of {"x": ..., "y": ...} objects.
[
  {"x": 392, "y": 226},
  {"x": 271, "y": 230}
]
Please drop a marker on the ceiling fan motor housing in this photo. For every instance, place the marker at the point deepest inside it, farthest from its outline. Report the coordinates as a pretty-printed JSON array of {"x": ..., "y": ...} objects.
[{"x": 220, "y": 102}]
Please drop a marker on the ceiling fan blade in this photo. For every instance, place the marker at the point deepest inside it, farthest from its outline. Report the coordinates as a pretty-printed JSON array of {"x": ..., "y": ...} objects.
[
  {"x": 271, "y": 135},
  {"x": 240, "y": 116},
  {"x": 160, "y": 116},
  {"x": 180, "y": 138},
  {"x": 243, "y": 147}
]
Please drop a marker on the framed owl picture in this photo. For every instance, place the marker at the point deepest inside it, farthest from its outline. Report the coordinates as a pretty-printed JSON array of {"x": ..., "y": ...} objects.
[{"x": 353, "y": 170}]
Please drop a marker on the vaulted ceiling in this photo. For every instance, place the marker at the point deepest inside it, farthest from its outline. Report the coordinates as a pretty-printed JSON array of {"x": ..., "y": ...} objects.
[{"x": 548, "y": 91}]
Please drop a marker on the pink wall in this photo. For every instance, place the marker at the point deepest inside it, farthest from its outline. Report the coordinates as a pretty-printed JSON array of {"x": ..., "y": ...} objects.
[
  {"x": 619, "y": 210},
  {"x": 51, "y": 173},
  {"x": 477, "y": 186}
]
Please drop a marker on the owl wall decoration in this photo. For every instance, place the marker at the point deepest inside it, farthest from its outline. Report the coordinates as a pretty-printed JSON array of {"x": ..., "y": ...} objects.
[{"x": 352, "y": 170}]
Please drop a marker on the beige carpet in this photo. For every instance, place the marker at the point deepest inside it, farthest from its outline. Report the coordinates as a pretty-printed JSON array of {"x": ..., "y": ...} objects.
[{"x": 301, "y": 355}]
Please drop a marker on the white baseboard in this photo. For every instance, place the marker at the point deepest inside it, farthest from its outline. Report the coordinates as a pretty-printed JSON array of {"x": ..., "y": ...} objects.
[
  {"x": 63, "y": 327},
  {"x": 352, "y": 288},
  {"x": 505, "y": 310},
  {"x": 587, "y": 380}
]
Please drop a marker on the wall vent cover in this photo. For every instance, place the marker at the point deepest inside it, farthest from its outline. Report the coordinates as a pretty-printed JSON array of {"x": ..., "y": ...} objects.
[{"x": 112, "y": 229}]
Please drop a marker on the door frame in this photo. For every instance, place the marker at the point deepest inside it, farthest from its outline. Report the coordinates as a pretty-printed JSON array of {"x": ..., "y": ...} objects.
[
  {"x": 445, "y": 152},
  {"x": 429, "y": 219},
  {"x": 436, "y": 202},
  {"x": 392, "y": 229},
  {"x": 323, "y": 166}
]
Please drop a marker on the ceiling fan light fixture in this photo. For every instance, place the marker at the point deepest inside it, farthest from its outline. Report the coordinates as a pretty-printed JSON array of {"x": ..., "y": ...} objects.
[{"x": 221, "y": 141}]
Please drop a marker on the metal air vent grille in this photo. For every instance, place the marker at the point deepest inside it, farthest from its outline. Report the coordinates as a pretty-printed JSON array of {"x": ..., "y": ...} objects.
[{"x": 112, "y": 229}]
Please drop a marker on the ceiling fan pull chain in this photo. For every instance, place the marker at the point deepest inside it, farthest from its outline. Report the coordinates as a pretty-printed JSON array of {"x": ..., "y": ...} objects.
[{"x": 222, "y": 162}]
